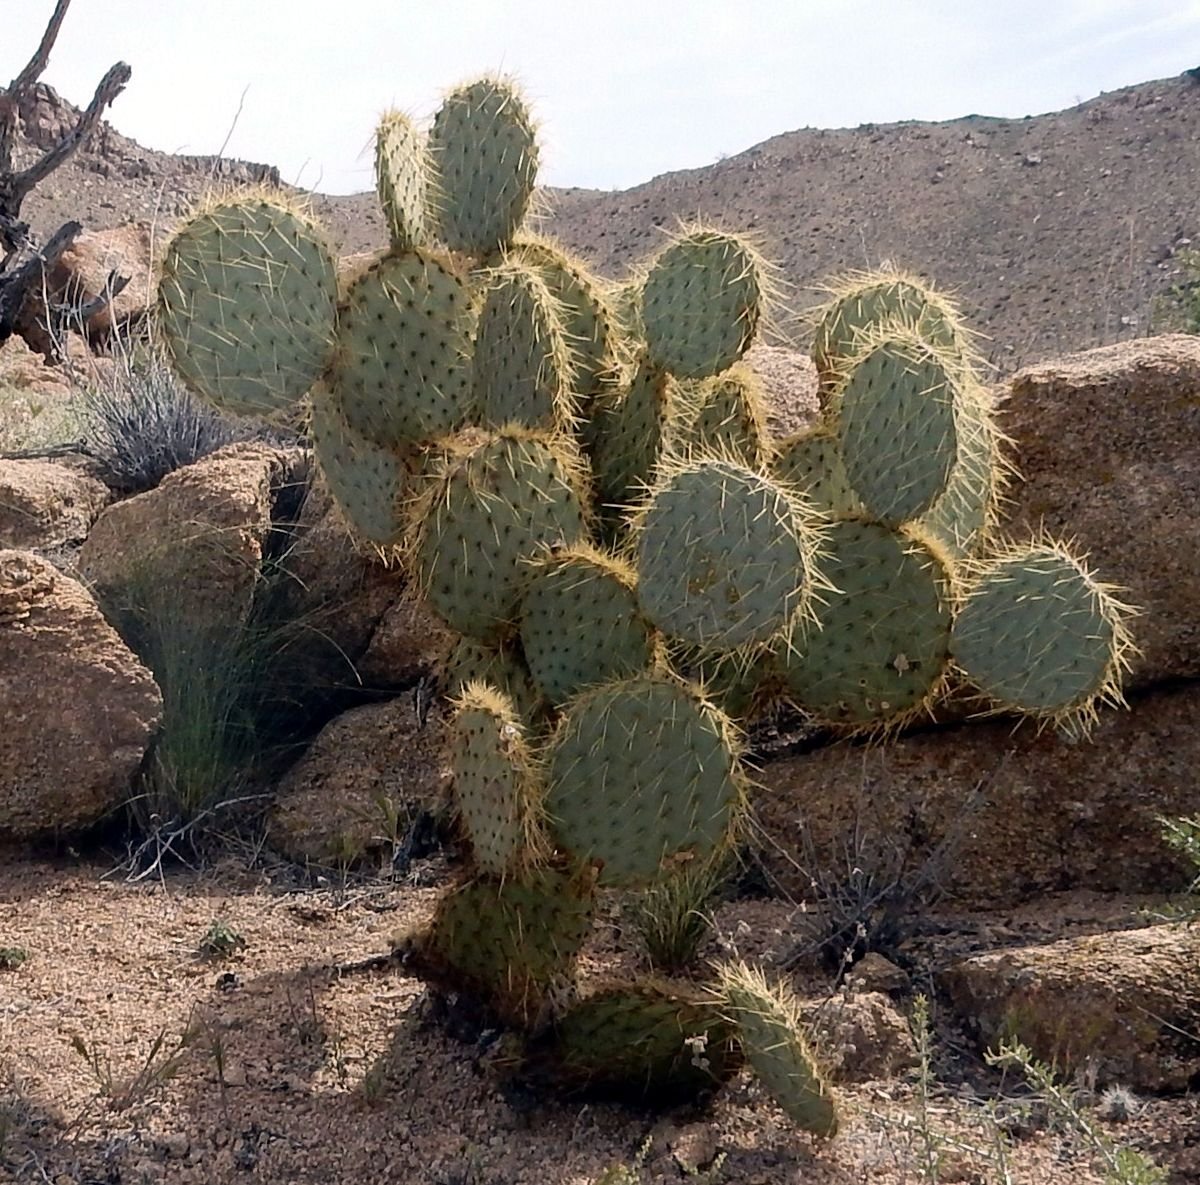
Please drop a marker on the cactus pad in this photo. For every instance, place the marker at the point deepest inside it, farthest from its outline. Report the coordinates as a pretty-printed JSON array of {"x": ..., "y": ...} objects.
[
  {"x": 401, "y": 179},
  {"x": 498, "y": 503},
  {"x": 725, "y": 556},
  {"x": 496, "y": 789},
  {"x": 811, "y": 463},
  {"x": 701, "y": 303},
  {"x": 883, "y": 646},
  {"x": 1038, "y": 634},
  {"x": 503, "y": 667},
  {"x": 246, "y": 303},
  {"x": 627, "y": 436},
  {"x": 643, "y": 774},
  {"x": 403, "y": 362},
  {"x": 728, "y": 420},
  {"x": 483, "y": 147},
  {"x": 767, "y": 1021},
  {"x": 580, "y": 623}
]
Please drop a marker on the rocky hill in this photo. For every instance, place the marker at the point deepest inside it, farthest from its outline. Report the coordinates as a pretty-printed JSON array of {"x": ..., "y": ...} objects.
[{"x": 1056, "y": 230}]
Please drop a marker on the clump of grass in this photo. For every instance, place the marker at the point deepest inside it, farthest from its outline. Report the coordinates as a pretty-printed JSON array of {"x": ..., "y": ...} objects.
[
  {"x": 162, "y": 1062},
  {"x": 672, "y": 917},
  {"x": 11, "y": 957},
  {"x": 220, "y": 940}
]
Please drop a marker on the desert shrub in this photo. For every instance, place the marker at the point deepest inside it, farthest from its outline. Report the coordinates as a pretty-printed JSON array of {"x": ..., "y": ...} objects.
[{"x": 1178, "y": 309}]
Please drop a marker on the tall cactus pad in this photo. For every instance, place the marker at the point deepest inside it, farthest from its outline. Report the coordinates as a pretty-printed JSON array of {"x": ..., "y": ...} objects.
[
  {"x": 811, "y": 463},
  {"x": 483, "y": 146},
  {"x": 701, "y": 303},
  {"x": 728, "y": 420},
  {"x": 861, "y": 302},
  {"x": 580, "y": 623},
  {"x": 522, "y": 366},
  {"x": 767, "y": 1020},
  {"x": 897, "y": 427},
  {"x": 883, "y": 646},
  {"x": 642, "y": 775},
  {"x": 403, "y": 363},
  {"x": 513, "y": 944},
  {"x": 496, "y": 506},
  {"x": 653, "y": 1040},
  {"x": 503, "y": 667},
  {"x": 247, "y": 302},
  {"x": 369, "y": 483},
  {"x": 589, "y": 321},
  {"x": 497, "y": 791},
  {"x": 1038, "y": 634},
  {"x": 401, "y": 179},
  {"x": 726, "y": 557}
]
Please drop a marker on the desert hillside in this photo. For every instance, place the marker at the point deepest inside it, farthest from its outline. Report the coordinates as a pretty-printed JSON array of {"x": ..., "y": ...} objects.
[{"x": 1057, "y": 230}]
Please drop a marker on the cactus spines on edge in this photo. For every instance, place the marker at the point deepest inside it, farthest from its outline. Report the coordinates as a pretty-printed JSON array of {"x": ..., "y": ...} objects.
[
  {"x": 497, "y": 787},
  {"x": 498, "y": 502},
  {"x": 402, "y": 366},
  {"x": 580, "y": 623},
  {"x": 501, "y": 666},
  {"x": 484, "y": 153},
  {"x": 767, "y": 1020},
  {"x": 701, "y": 302},
  {"x": 402, "y": 179},
  {"x": 1038, "y": 634},
  {"x": 726, "y": 558},
  {"x": 643, "y": 773},
  {"x": 246, "y": 302}
]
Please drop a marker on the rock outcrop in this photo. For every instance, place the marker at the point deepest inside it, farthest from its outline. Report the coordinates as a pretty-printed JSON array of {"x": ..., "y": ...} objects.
[{"x": 47, "y": 505}]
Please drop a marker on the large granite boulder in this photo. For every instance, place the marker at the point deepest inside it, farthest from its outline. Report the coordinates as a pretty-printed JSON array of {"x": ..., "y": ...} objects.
[
  {"x": 47, "y": 505},
  {"x": 77, "y": 709}
]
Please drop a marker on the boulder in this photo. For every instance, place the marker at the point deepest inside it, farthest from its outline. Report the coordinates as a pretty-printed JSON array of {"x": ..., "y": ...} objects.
[
  {"x": 197, "y": 538},
  {"x": 1122, "y": 1005},
  {"x": 78, "y": 709},
  {"x": 1016, "y": 813},
  {"x": 365, "y": 777},
  {"x": 1109, "y": 445},
  {"x": 861, "y": 1037},
  {"x": 25, "y": 372},
  {"x": 47, "y": 505},
  {"x": 408, "y": 643},
  {"x": 789, "y": 380}
]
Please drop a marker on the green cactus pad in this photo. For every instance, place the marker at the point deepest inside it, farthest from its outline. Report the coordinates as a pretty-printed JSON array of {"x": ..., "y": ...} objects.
[
  {"x": 861, "y": 303},
  {"x": 483, "y": 146},
  {"x": 727, "y": 419},
  {"x": 725, "y": 556},
  {"x": 496, "y": 789},
  {"x": 767, "y": 1021},
  {"x": 588, "y": 320},
  {"x": 247, "y": 302},
  {"x": 1038, "y": 634},
  {"x": 503, "y": 667},
  {"x": 499, "y": 502},
  {"x": 897, "y": 427},
  {"x": 580, "y": 623},
  {"x": 513, "y": 943},
  {"x": 649, "y": 1039},
  {"x": 882, "y": 649},
  {"x": 368, "y": 482},
  {"x": 403, "y": 363},
  {"x": 701, "y": 303},
  {"x": 742, "y": 690},
  {"x": 522, "y": 367},
  {"x": 643, "y": 775},
  {"x": 811, "y": 463},
  {"x": 401, "y": 179}
]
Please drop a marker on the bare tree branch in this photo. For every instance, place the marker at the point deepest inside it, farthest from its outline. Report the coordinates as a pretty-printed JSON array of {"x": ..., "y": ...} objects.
[
  {"x": 14, "y": 286},
  {"x": 22, "y": 82}
]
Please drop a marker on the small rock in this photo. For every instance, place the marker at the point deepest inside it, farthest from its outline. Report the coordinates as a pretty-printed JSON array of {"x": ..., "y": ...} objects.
[
  {"x": 694, "y": 1148},
  {"x": 175, "y": 1144},
  {"x": 874, "y": 973}
]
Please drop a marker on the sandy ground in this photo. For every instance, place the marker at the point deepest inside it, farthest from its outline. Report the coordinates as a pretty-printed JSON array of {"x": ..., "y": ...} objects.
[{"x": 297, "y": 1072}]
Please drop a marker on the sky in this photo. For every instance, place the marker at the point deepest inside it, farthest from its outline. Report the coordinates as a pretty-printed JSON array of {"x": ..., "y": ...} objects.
[{"x": 624, "y": 89}]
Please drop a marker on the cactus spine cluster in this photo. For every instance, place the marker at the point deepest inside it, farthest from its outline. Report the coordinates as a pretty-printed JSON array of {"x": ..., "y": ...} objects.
[{"x": 579, "y": 480}]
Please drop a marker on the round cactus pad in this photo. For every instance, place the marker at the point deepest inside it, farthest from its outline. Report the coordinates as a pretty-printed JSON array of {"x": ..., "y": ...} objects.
[
  {"x": 495, "y": 788},
  {"x": 811, "y": 463},
  {"x": 580, "y": 624},
  {"x": 403, "y": 363},
  {"x": 401, "y": 179},
  {"x": 502, "y": 667},
  {"x": 627, "y": 436},
  {"x": 897, "y": 429},
  {"x": 1038, "y": 634},
  {"x": 246, "y": 304},
  {"x": 767, "y": 1020},
  {"x": 495, "y": 508},
  {"x": 483, "y": 146},
  {"x": 642, "y": 775},
  {"x": 882, "y": 647},
  {"x": 701, "y": 303},
  {"x": 725, "y": 556},
  {"x": 728, "y": 420}
]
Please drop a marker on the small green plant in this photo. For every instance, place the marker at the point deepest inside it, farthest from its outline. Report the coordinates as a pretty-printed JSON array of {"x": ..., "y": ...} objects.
[
  {"x": 162, "y": 1062},
  {"x": 220, "y": 940},
  {"x": 11, "y": 957},
  {"x": 1178, "y": 309},
  {"x": 672, "y": 918}
]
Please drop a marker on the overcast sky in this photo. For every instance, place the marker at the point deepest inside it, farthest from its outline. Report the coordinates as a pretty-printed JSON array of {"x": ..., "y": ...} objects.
[{"x": 625, "y": 89}]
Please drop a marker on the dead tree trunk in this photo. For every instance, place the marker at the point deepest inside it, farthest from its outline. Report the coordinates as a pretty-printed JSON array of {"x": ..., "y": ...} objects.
[{"x": 24, "y": 263}]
